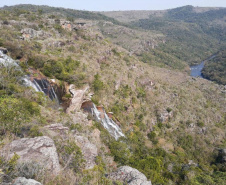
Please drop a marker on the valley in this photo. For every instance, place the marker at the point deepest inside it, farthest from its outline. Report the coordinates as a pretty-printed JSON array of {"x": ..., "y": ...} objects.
[{"x": 108, "y": 98}]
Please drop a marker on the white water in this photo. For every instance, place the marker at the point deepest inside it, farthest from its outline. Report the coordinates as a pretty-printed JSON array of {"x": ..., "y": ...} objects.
[
  {"x": 8, "y": 62},
  {"x": 107, "y": 123}
]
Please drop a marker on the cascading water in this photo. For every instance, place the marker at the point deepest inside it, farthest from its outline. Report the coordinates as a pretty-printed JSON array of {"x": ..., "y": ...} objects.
[
  {"x": 41, "y": 85},
  {"x": 107, "y": 123}
]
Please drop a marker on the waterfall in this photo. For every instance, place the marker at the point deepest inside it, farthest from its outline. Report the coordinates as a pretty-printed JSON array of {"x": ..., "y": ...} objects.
[
  {"x": 29, "y": 83},
  {"x": 44, "y": 86},
  {"x": 107, "y": 123}
]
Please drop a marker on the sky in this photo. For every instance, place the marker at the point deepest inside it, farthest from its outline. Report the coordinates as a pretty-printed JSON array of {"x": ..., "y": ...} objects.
[{"x": 114, "y": 5}]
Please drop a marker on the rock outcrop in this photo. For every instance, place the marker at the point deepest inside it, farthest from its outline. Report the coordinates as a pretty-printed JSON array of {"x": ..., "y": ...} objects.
[
  {"x": 222, "y": 156},
  {"x": 129, "y": 175},
  {"x": 77, "y": 99},
  {"x": 29, "y": 33},
  {"x": 4, "y": 50},
  {"x": 89, "y": 150},
  {"x": 165, "y": 116},
  {"x": 24, "y": 181},
  {"x": 57, "y": 129},
  {"x": 39, "y": 149}
]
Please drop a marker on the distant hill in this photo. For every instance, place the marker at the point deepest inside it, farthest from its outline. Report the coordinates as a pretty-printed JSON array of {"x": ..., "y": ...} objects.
[
  {"x": 192, "y": 33},
  {"x": 215, "y": 69}
]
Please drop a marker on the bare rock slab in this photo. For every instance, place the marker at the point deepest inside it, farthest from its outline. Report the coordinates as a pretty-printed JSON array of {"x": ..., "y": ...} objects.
[
  {"x": 129, "y": 175},
  {"x": 77, "y": 99},
  {"x": 24, "y": 181},
  {"x": 88, "y": 149},
  {"x": 39, "y": 149}
]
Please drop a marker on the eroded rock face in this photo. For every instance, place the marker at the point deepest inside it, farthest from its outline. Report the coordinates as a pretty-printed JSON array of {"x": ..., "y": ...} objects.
[
  {"x": 24, "y": 181},
  {"x": 89, "y": 150},
  {"x": 39, "y": 149},
  {"x": 129, "y": 175},
  {"x": 28, "y": 33},
  {"x": 77, "y": 99}
]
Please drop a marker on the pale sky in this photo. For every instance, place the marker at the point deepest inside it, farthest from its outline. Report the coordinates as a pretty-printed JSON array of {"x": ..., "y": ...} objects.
[{"x": 106, "y": 5}]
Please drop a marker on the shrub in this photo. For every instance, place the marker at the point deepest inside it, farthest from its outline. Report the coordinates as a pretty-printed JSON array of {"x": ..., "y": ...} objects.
[
  {"x": 97, "y": 83},
  {"x": 151, "y": 135},
  {"x": 200, "y": 124},
  {"x": 35, "y": 132},
  {"x": 71, "y": 155},
  {"x": 14, "y": 112}
]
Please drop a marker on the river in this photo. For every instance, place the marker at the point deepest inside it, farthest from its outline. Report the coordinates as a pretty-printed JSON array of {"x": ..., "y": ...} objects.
[{"x": 196, "y": 71}]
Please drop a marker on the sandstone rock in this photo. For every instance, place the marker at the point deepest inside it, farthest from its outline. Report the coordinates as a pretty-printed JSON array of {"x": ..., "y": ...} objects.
[
  {"x": 66, "y": 25},
  {"x": 39, "y": 149},
  {"x": 77, "y": 99},
  {"x": 129, "y": 175},
  {"x": 80, "y": 117},
  {"x": 24, "y": 181},
  {"x": 89, "y": 150},
  {"x": 57, "y": 129},
  {"x": 29, "y": 33}
]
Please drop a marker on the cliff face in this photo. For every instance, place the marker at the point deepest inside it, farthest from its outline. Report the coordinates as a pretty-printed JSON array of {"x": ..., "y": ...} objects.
[{"x": 159, "y": 124}]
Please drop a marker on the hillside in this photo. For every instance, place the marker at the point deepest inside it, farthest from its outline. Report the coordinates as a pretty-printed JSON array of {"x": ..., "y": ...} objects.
[
  {"x": 192, "y": 33},
  {"x": 215, "y": 69},
  {"x": 69, "y": 90}
]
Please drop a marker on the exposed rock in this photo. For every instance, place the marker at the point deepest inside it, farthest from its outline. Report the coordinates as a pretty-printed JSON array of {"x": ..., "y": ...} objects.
[
  {"x": 39, "y": 149},
  {"x": 29, "y": 33},
  {"x": 24, "y": 181},
  {"x": 147, "y": 83},
  {"x": 66, "y": 25},
  {"x": 57, "y": 129},
  {"x": 89, "y": 150},
  {"x": 4, "y": 50},
  {"x": 77, "y": 99},
  {"x": 222, "y": 155},
  {"x": 56, "y": 44},
  {"x": 165, "y": 116},
  {"x": 129, "y": 175}
]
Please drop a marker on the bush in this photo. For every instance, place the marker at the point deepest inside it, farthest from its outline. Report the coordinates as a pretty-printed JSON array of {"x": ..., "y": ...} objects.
[
  {"x": 200, "y": 124},
  {"x": 151, "y": 135},
  {"x": 35, "y": 132},
  {"x": 97, "y": 83},
  {"x": 14, "y": 112}
]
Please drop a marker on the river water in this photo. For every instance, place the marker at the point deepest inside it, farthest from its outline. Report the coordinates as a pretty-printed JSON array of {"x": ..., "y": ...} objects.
[{"x": 196, "y": 71}]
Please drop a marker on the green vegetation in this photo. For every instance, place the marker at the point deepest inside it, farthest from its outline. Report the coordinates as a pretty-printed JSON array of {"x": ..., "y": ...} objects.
[
  {"x": 191, "y": 36},
  {"x": 172, "y": 123},
  {"x": 215, "y": 69}
]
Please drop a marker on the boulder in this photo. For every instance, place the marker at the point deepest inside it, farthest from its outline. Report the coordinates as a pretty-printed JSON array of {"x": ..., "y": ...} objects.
[
  {"x": 57, "y": 129},
  {"x": 24, "y": 181},
  {"x": 39, "y": 149},
  {"x": 88, "y": 149},
  {"x": 129, "y": 175},
  {"x": 77, "y": 99}
]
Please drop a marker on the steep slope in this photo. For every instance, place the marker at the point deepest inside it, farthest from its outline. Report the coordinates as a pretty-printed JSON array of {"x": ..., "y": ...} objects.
[{"x": 172, "y": 122}]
